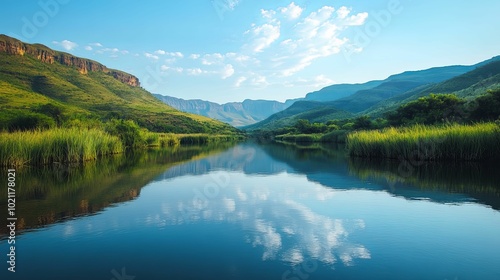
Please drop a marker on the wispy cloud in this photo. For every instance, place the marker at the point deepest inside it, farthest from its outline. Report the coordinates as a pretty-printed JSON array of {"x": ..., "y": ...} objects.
[
  {"x": 274, "y": 50},
  {"x": 195, "y": 56},
  {"x": 152, "y": 56},
  {"x": 66, "y": 44},
  {"x": 262, "y": 36}
]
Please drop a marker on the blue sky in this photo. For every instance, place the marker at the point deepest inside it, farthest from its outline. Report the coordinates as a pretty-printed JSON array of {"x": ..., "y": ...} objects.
[{"x": 231, "y": 50}]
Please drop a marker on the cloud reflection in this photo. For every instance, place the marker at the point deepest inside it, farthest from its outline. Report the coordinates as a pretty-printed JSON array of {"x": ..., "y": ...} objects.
[{"x": 276, "y": 219}]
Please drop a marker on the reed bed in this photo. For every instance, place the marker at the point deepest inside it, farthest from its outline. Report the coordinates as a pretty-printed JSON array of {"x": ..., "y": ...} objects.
[
  {"x": 452, "y": 142},
  {"x": 59, "y": 145}
]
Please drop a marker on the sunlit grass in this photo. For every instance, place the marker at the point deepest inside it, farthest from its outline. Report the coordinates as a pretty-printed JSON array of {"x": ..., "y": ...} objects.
[
  {"x": 61, "y": 145},
  {"x": 449, "y": 142}
]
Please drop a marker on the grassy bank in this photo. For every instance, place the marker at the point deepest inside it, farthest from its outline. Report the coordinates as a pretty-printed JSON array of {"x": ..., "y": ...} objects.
[
  {"x": 169, "y": 139},
  {"x": 431, "y": 143},
  {"x": 75, "y": 145},
  {"x": 56, "y": 145},
  {"x": 337, "y": 136}
]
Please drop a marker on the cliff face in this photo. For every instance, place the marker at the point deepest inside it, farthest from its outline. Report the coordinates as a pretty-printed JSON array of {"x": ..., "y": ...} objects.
[
  {"x": 15, "y": 47},
  {"x": 235, "y": 113}
]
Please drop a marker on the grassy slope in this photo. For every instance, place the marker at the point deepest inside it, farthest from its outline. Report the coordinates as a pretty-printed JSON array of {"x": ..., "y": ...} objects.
[
  {"x": 469, "y": 85},
  {"x": 308, "y": 110},
  {"x": 363, "y": 101},
  {"x": 396, "y": 85},
  {"x": 26, "y": 83}
]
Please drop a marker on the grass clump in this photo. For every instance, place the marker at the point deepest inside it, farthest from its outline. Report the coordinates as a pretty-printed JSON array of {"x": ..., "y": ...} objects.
[
  {"x": 453, "y": 142},
  {"x": 58, "y": 145}
]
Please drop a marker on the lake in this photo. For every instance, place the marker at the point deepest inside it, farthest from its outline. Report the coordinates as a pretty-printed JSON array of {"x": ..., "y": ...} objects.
[{"x": 255, "y": 211}]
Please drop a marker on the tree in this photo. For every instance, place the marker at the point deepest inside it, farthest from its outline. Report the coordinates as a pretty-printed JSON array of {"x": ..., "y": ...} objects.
[
  {"x": 302, "y": 126},
  {"x": 487, "y": 107},
  {"x": 431, "y": 109},
  {"x": 51, "y": 110},
  {"x": 128, "y": 131},
  {"x": 362, "y": 122}
]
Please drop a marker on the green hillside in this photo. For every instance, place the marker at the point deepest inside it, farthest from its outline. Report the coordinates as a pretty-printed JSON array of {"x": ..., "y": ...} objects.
[
  {"x": 312, "y": 111},
  {"x": 335, "y": 92},
  {"x": 469, "y": 86},
  {"x": 399, "y": 84},
  {"x": 358, "y": 97},
  {"x": 391, "y": 93},
  {"x": 37, "y": 83}
]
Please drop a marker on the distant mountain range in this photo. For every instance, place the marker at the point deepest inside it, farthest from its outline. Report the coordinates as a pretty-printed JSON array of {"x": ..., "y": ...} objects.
[
  {"x": 34, "y": 77},
  {"x": 234, "y": 113},
  {"x": 341, "y": 100},
  {"x": 388, "y": 94}
]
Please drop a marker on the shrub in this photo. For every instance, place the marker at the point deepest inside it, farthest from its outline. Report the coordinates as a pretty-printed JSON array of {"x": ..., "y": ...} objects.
[
  {"x": 30, "y": 121},
  {"x": 128, "y": 131}
]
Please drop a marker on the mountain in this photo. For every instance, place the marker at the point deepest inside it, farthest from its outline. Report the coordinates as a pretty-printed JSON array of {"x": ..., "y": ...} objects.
[
  {"x": 396, "y": 85},
  {"x": 312, "y": 111},
  {"x": 234, "y": 113},
  {"x": 34, "y": 77},
  {"x": 334, "y": 92},
  {"x": 348, "y": 94},
  {"x": 468, "y": 86},
  {"x": 389, "y": 94}
]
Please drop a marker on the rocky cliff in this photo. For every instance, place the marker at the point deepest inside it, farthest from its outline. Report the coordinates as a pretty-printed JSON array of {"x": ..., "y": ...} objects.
[
  {"x": 15, "y": 47},
  {"x": 235, "y": 113}
]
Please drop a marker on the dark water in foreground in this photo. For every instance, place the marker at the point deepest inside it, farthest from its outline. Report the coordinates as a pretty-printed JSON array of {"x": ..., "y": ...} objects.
[{"x": 255, "y": 212}]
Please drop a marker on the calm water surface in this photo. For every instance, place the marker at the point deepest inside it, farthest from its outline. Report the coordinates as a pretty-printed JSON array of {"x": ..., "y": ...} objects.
[{"x": 256, "y": 212}]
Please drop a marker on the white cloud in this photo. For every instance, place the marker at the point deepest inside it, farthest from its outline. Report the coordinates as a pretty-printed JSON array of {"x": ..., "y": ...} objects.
[
  {"x": 160, "y": 52},
  {"x": 268, "y": 14},
  {"x": 263, "y": 36},
  {"x": 88, "y": 48},
  {"x": 343, "y": 12},
  {"x": 176, "y": 54},
  {"x": 356, "y": 20},
  {"x": 194, "y": 71},
  {"x": 322, "y": 81},
  {"x": 259, "y": 81},
  {"x": 152, "y": 56},
  {"x": 238, "y": 84},
  {"x": 65, "y": 44},
  {"x": 166, "y": 68},
  {"x": 317, "y": 35},
  {"x": 228, "y": 71},
  {"x": 292, "y": 11},
  {"x": 211, "y": 59},
  {"x": 194, "y": 56},
  {"x": 99, "y": 45}
]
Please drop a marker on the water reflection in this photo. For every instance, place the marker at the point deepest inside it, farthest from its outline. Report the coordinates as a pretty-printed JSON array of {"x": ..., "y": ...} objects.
[
  {"x": 56, "y": 193},
  {"x": 277, "y": 216},
  {"x": 258, "y": 212},
  {"x": 438, "y": 182}
]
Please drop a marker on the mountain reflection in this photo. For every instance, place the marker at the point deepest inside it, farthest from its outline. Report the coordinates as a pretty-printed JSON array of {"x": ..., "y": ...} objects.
[
  {"x": 328, "y": 166},
  {"x": 56, "y": 193}
]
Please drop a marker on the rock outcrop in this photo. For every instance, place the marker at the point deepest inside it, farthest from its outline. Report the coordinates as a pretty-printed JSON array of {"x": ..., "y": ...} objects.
[{"x": 13, "y": 46}]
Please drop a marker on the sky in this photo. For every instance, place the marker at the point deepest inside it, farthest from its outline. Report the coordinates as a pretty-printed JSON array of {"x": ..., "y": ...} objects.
[{"x": 232, "y": 50}]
